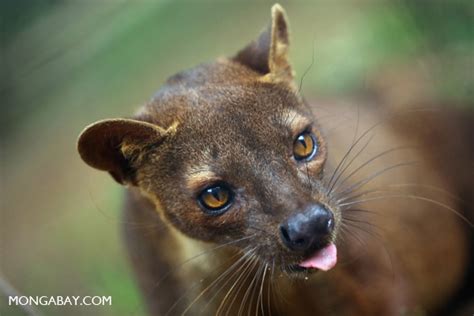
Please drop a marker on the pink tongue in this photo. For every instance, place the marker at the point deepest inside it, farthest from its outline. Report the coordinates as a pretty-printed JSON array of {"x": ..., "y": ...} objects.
[{"x": 325, "y": 259}]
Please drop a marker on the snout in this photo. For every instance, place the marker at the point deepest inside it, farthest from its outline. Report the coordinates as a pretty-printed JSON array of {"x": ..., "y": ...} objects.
[{"x": 308, "y": 230}]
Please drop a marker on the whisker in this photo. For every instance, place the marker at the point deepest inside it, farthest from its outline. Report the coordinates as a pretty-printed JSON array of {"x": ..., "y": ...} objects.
[
  {"x": 416, "y": 185},
  {"x": 247, "y": 275},
  {"x": 355, "y": 220},
  {"x": 247, "y": 255},
  {"x": 357, "y": 124},
  {"x": 354, "y": 235},
  {"x": 379, "y": 239},
  {"x": 182, "y": 264},
  {"x": 179, "y": 266},
  {"x": 361, "y": 210},
  {"x": 354, "y": 144},
  {"x": 254, "y": 288},
  {"x": 345, "y": 228},
  {"x": 368, "y": 212},
  {"x": 430, "y": 187},
  {"x": 259, "y": 229},
  {"x": 350, "y": 163},
  {"x": 307, "y": 69},
  {"x": 260, "y": 294},
  {"x": 247, "y": 292},
  {"x": 415, "y": 197},
  {"x": 383, "y": 120},
  {"x": 270, "y": 287},
  {"x": 245, "y": 266},
  {"x": 226, "y": 272},
  {"x": 353, "y": 141},
  {"x": 279, "y": 290},
  {"x": 374, "y": 175},
  {"x": 348, "y": 152},
  {"x": 188, "y": 290},
  {"x": 366, "y": 162}
]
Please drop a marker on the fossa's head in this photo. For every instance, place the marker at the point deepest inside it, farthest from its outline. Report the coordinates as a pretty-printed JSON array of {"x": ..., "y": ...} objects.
[{"x": 229, "y": 152}]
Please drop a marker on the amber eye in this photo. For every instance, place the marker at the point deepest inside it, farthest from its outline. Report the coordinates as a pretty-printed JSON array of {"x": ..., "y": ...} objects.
[
  {"x": 304, "y": 146},
  {"x": 216, "y": 199}
]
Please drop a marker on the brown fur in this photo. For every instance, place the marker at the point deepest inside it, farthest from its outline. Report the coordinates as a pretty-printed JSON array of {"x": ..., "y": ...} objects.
[{"x": 235, "y": 121}]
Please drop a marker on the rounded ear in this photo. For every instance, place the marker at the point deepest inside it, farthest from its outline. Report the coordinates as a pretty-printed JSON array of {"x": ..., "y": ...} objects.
[
  {"x": 112, "y": 144},
  {"x": 268, "y": 54}
]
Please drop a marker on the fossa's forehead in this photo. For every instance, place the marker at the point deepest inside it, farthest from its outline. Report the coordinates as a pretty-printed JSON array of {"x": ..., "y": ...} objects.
[
  {"x": 227, "y": 106},
  {"x": 239, "y": 117},
  {"x": 234, "y": 146},
  {"x": 229, "y": 127}
]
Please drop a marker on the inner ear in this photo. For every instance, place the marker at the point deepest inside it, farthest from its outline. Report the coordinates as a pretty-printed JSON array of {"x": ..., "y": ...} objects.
[
  {"x": 268, "y": 54},
  {"x": 113, "y": 144}
]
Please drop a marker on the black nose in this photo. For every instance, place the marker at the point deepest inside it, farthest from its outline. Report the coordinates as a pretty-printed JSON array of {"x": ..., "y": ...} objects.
[{"x": 308, "y": 229}]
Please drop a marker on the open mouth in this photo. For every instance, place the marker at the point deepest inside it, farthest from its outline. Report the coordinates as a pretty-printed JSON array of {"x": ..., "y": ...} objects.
[{"x": 324, "y": 259}]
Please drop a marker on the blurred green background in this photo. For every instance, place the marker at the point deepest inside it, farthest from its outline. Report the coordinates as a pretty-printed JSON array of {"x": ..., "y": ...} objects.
[{"x": 65, "y": 64}]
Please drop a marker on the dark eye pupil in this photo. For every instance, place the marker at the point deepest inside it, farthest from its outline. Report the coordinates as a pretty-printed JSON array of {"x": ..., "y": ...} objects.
[
  {"x": 302, "y": 141},
  {"x": 216, "y": 193}
]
